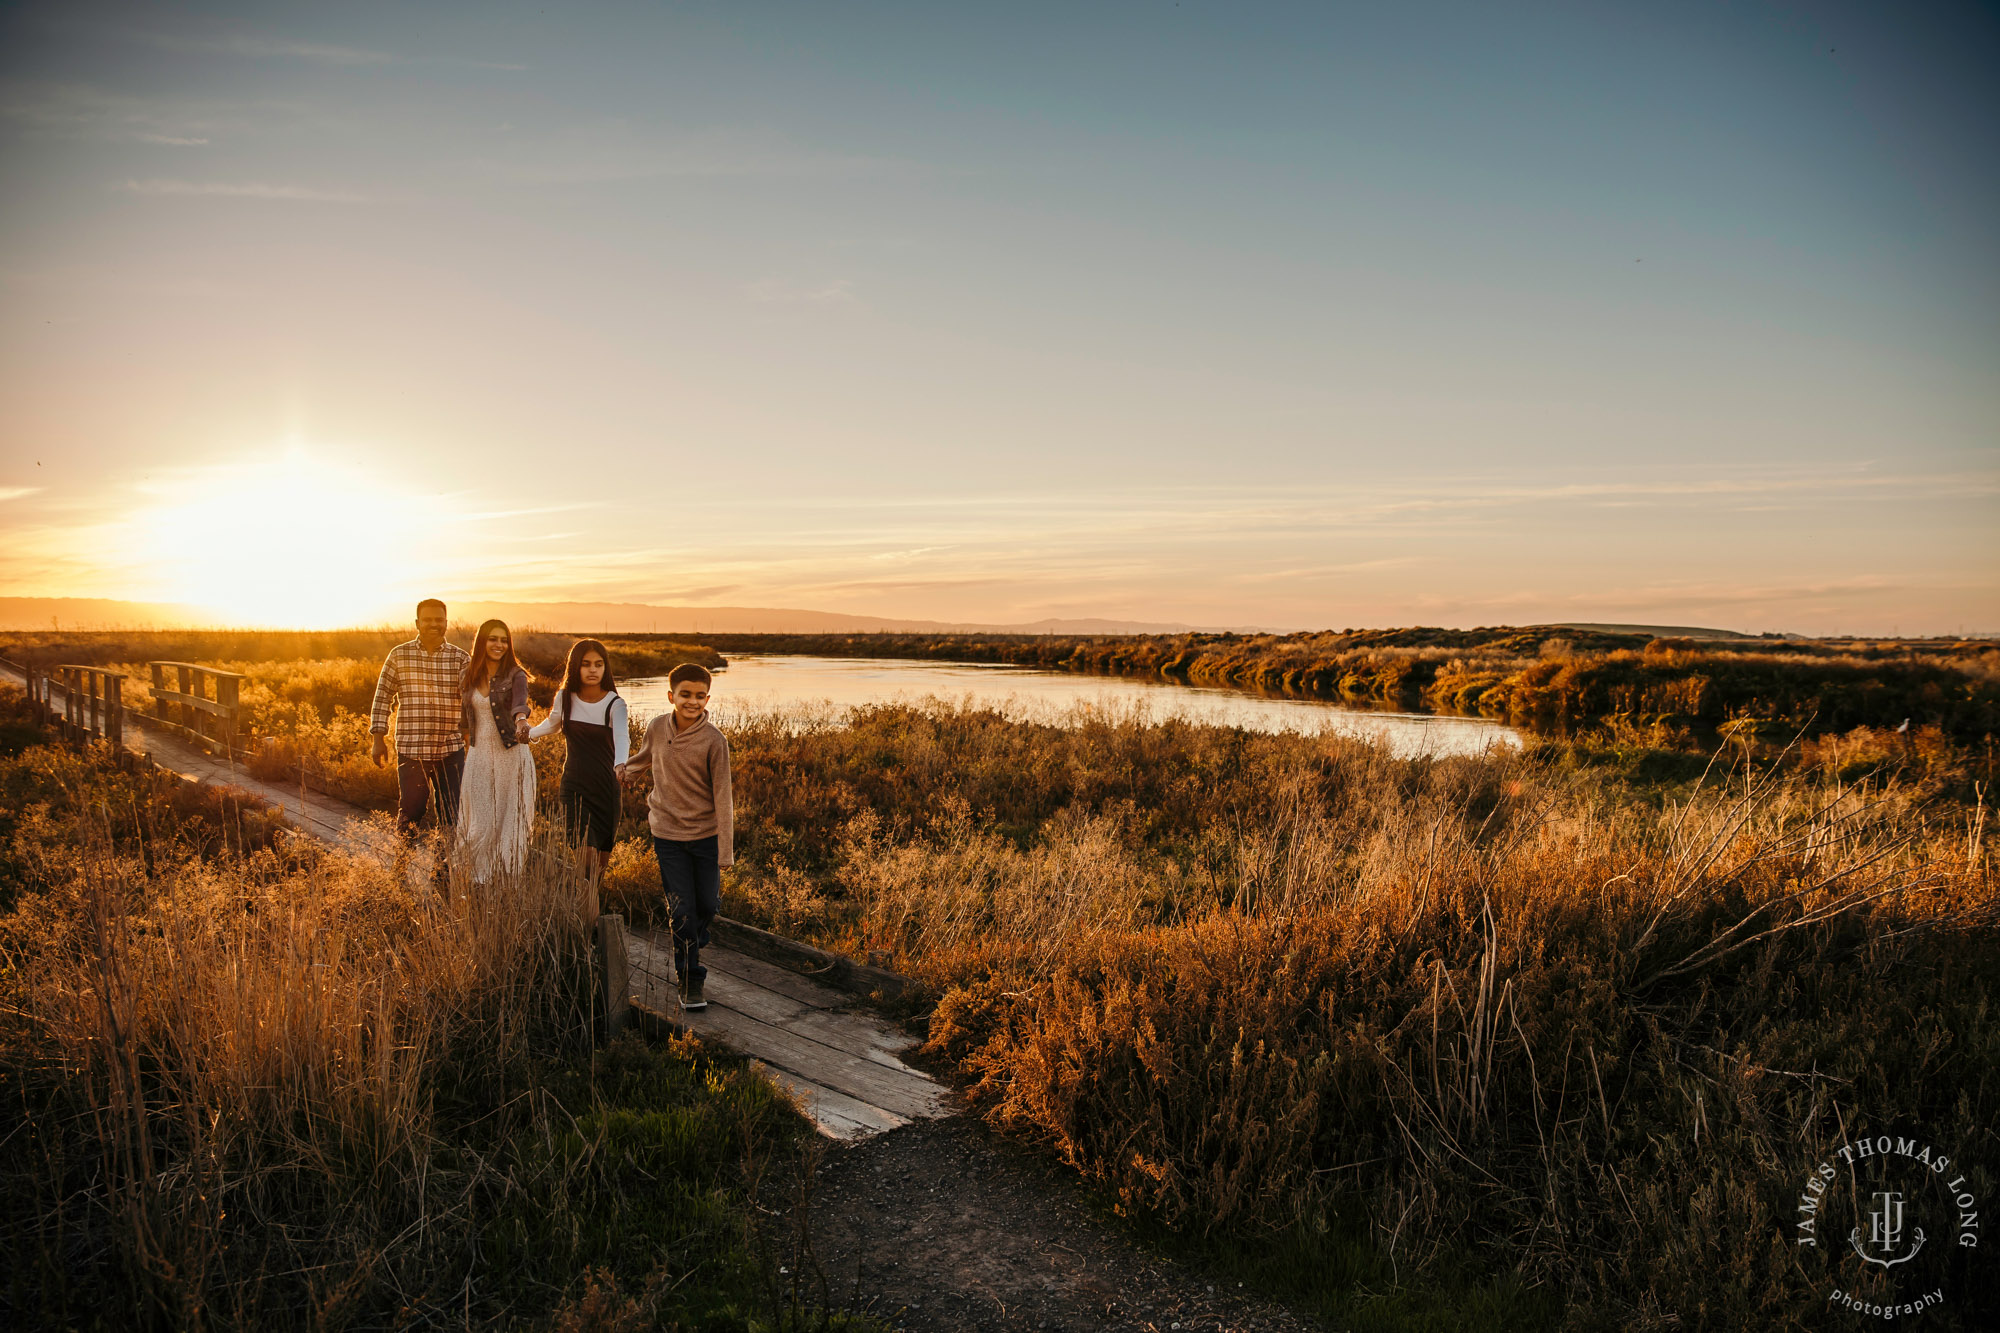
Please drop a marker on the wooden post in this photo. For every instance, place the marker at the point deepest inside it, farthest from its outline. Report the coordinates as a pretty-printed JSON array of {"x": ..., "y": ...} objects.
[
  {"x": 227, "y": 693},
  {"x": 114, "y": 719},
  {"x": 190, "y": 716},
  {"x": 614, "y": 972},
  {"x": 70, "y": 716},
  {"x": 159, "y": 687}
]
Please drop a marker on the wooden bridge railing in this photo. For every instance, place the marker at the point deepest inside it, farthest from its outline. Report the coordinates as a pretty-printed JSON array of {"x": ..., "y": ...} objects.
[
  {"x": 36, "y": 682},
  {"x": 93, "y": 704},
  {"x": 84, "y": 702},
  {"x": 205, "y": 708}
]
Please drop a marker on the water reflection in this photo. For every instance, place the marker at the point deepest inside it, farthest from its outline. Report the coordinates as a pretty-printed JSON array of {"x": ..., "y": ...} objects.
[{"x": 764, "y": 682}]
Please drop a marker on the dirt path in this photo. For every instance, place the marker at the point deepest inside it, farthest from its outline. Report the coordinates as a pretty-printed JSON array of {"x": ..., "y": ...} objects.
[{"x": 944, "y": 1226}]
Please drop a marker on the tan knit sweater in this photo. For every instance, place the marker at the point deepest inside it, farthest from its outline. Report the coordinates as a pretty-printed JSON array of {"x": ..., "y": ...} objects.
[{"x": 690, "y": 797}]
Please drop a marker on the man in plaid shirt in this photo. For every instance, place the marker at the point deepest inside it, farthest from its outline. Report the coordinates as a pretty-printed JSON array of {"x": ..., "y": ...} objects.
[{"x": 420, "y": 682}]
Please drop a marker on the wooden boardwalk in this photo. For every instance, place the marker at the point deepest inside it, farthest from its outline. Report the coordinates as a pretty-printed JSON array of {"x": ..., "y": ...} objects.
[
  {"x": 842, "y": 1062},
  {"x": 838, "y": 1058}
]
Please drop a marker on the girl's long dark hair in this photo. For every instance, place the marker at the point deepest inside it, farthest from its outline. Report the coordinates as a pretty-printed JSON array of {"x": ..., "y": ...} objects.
[
  {"x": 475, "y": 670},
  {"x": 573, "y": 673}
]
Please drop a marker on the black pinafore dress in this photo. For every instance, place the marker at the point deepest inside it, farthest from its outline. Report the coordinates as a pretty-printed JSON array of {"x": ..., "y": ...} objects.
[{"x": 590, "y": 796}]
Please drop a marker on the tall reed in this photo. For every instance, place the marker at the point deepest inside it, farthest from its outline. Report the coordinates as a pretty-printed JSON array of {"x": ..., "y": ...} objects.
[
  {"x": 1254, "y": 984},
  {"x": 235, "y": 1068}
]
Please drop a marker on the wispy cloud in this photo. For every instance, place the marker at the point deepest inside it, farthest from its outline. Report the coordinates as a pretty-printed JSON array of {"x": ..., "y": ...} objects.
[
  {"x": 16, "y": 492},
  {"x": 80, "y": 111},
  {"x": 242, "y": 190},
  {"x": 262, "y": 48},
  {"x": 602, "y": 152},
  {"x": 255, "y": 46},
  {"x": 1324, "y": 571},
  {"x": 1360, "y": 551}
]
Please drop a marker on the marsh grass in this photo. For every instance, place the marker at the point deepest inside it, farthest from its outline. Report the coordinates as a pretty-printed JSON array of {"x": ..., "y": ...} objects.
[
  {"x": 1547, "y": 1029},
  {"x": 1485, "y": 1014},
  {"x": 262, "y": 1084}
]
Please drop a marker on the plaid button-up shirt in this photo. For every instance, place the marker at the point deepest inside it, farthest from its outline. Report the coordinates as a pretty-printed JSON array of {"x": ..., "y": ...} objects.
[{"x": 423, "y": 689}]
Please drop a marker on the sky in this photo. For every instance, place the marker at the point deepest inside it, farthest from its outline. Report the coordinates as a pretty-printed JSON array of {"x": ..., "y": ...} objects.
[{"x": 1235, "y": 314}]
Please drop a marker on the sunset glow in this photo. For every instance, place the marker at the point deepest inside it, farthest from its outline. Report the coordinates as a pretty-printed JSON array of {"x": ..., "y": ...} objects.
[
  {"x": 1332, "y": 316},
  {"x": 289, "y": 542}
]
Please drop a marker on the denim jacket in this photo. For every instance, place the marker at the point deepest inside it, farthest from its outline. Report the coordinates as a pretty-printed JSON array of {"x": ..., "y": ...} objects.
[{"x": 508, "y": 699}]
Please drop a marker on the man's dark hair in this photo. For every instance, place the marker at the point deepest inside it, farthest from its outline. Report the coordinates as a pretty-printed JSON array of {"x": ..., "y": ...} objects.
[
  {"x": 429, "y": 601},
  {"x": 689, "y": 671}
]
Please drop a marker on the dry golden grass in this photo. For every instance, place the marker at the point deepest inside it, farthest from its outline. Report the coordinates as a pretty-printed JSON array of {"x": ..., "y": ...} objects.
[
  {"x": 1247, "y": 983},
  {"x": 1588, "y": 1030},
  {"x": 265, "y": 1084},
  {"x": 255, "y": 1041}
]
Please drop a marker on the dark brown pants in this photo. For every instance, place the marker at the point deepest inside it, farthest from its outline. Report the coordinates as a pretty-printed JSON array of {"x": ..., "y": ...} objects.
[{"x": 420, "y": 782}]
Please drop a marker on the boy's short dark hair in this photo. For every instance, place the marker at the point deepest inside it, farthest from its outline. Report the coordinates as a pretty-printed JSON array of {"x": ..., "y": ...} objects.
[
  {"x": 689, "y": 671},
  {"x": 429, "y": 601}
]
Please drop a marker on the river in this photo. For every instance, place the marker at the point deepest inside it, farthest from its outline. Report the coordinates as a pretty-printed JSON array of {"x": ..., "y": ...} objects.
[{"x": 763, "y": 682}]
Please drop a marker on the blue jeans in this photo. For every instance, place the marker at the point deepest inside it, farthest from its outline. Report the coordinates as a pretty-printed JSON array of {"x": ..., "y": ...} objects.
[{"x": 692, "y": 882}]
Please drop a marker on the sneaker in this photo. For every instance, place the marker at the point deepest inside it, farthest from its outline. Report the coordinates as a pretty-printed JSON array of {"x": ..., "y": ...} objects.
[{"x": 691, "y": 995}]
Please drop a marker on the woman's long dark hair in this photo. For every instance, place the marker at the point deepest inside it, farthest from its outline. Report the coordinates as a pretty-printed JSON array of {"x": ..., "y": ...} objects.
[
  {"x": 573, "y": 673},
  {"x": 475, "y": 670}
]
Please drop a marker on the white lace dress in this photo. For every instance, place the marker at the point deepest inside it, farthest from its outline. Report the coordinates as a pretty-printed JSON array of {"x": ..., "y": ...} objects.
[{"x": 496, "y": 804}]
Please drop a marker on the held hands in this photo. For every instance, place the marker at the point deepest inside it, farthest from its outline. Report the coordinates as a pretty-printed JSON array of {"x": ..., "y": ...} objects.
[{"x": 520, "y": 728}]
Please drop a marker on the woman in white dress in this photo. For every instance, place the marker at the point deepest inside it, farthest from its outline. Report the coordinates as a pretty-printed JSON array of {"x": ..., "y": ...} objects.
[{"x": 496, "y": 804}]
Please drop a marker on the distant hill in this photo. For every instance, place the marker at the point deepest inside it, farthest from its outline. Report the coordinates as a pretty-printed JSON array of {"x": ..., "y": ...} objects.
[
  {"x": 96, "y": 613},
  {"x": 636, "y": 618},
  {"x": 65, "y": 613},
  {"x": 1662, "y": 631}
]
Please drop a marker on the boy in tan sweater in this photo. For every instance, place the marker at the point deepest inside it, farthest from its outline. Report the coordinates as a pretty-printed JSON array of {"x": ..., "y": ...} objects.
[{"x": 691, "y": 816}]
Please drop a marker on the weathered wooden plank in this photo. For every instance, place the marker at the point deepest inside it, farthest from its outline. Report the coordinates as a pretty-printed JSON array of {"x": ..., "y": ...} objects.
[
  {"x": 652, "y": 990},
  {"x": 195, "y": 701},
  {"x": 838, "y": 1115},
  {"x": 615, "y": 973},
  {"x": 904, "y": 1094},
  {"x": 835, "y": 1114},
  {"x": 205, "y": 670},
  {"x": 752, "y": 971},
  {"x": 831, "y": 968},
  {"x": 864, "y": 1035},
  {"x": 770, "y": 976},
  {"x": 857, "y": 1034},
  {"x": 901, "y": 1090},
  {"x": 764, "y": 1005}
]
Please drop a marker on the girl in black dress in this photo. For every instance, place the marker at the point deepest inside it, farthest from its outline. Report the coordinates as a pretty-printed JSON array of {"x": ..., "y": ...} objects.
[{"x": 591, "y": 717}]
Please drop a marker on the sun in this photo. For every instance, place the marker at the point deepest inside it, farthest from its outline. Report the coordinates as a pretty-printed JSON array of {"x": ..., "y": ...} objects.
[{"x": 290, "y": 541}]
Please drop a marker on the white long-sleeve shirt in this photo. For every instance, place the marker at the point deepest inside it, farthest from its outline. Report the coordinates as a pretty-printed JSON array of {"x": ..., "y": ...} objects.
[{"x": 606, "y": 712}]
